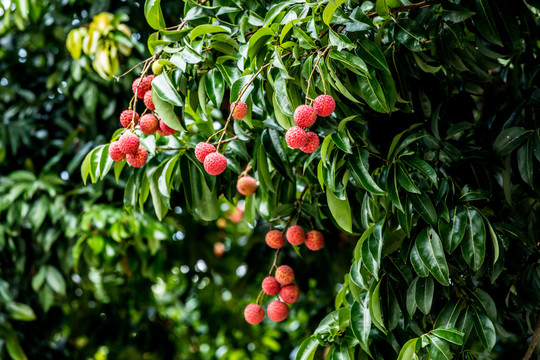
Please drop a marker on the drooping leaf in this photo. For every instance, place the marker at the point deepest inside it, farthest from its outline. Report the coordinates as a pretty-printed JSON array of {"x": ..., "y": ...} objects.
[
  {"x": 431, "y": 252},
  {"x": 473, "y": 246}
]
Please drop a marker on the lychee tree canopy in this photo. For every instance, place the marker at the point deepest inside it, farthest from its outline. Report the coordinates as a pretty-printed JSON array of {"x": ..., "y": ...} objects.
[{"x": 429, "y": 159}]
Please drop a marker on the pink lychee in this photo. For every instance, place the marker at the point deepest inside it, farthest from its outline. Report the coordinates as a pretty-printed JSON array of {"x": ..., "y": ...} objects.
[
  {"x": 127, "y": 116},
  {"x": 149, "y": 124},
  {"x": 296, "y": 235},
  {"x": 240, "y": 111},
  {"x": 215, "y": 163},
  {"x": 305, "y": 116},
  {"x": 296, "y": 137},
  {"x": 314, "y": 240},
  {"x": 270, "y": 285},
  {"x": 289, "y": 293},
  {"x": 139, "y": 158},
  {"x": 202, "y": 149},
  {"x": 129, "y": 143},
  {"x": 277, "y": 310},
  {"x": 165, "y": 130},
  {"x": 324, "y": 105},
  {"x": 275, "y": 239},
  {"x": 148, "y": 101},
  {"x": 312, "y": 143},
  {"x": 246, "y": 185},
  {"x": 254, "y": 314},
  {"x": 284, "y": 275},
  {"x": 115, "y": 153}
]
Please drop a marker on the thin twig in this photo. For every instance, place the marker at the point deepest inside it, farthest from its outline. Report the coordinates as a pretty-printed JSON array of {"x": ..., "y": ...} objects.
[
  {"x": 246, "y": 171},
  {"x": 534, "y": 339},
  {"x": 313, "y": 71}
]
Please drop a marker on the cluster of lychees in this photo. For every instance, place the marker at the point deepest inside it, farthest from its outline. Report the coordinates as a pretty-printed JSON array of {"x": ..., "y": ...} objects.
[
  {"x": 305, "y": 116},
  {"x": 128, "y": 145},
  {"x": 281, "y": 284}
]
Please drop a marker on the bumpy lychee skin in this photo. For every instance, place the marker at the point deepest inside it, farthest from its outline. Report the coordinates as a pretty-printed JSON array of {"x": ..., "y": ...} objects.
[
  {"x": 324, "y": 105},
  {"x": 254, "y": 314},
  {"x": 240, "y": 111},
  {"x": 129, "y": 143},
  {"x": 284, "y": 275},
  {"x": 148, "y": 101},
  {"x": 296, "y": 235},
  {"x": 139, "y": 158},
  {"x": 157, "y": 68},
  {"x": 275, "y": 239},
  {"x": 289, "y": 293},
  {"x": 144, "y": 87},
  {"x": 165, "y": 130},
  {"x": 296, "y": 137},
  {"x": 277, "y": 311},
  {"x": 215, "y": 163},
  {"x": 270, "y": 286},
  {"x": 115, "y": 153},
  {"x": 126, "y": 116},
  {"x": 312, "y": 143},
  {"x": 246, "y": 185},
  {"x": 305, "y": 116},
  {"x": 149, "y": 124},
  {"x": 314, "y": 240},
  {"x": 203, "y": 149}
]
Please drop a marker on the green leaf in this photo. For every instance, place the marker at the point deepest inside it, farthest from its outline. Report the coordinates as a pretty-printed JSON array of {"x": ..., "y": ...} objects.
[
  {"x": 14, "y": 348},
  {"x": 372, "y": 250},
  {"x": 274, "y": 12},
  {"x": 438, "y": 349},
  {"x": 166, "y": 113},
  {"x": 339, "y": 41},
  {"x": 404, "y": 179},
  {"x": 408, "y": 350},
  {"x": 485, "y": 330},
  {"x": 452, "y": 232},
  {"x": 452, "y": 335},
  {"x": 342, "y": 141},
  {"x": 422, "y": 166},
  {"x": 417, "y": 263},
  {"x": 258, "y": 40},
  {"x": 361, "y": 324},
  {"x": 372, "y": 55},
  {"x": 354, "y": 63},
  {"x": 372, "y": 92},
  {"x": 409, "y": 140},
  {"x": 525, "y": 162},
  {"x": 449, "y": 315},
  {"x": 56, "y": 280},
  {"x": 164, "y": 89},
  {"x": 86, "y": 168},
  {"x": 425, "y": 208},
  {"x": 153, "y": 14},
  {"x": 341, "y": 352},
  {"x": 485, "y": 23},
  {"x": 431, "y": 252},
  {"x": 424, "y": 294},
  {"x": 509, "y": 139},
  {"x": 307, "y": 349},
  {"x": 215, "y": 87},
  {"x": 358, "y": 166},
  {"x": 392, "y": 187},
  {"x": 374, "y": 305},
  {"x": 330, "y": 9},
  {"x": 206, "y": 29},
  {"x": 19, "y": 311},
  {"x": 340, "y": 210},
  {"x": 411, "y": 297},
  {"x": 382, "y": 9},
  {"x": 473, "y": 247},
  {"x": 411, "y": 34}
]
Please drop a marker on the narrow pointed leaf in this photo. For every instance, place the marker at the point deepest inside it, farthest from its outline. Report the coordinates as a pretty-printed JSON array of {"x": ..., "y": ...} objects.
[
  {"x": 424, "y": 294},
  {"x": 431, "y": 252},
  {"x": 473, "y": 247},
  {"x": 452, "y": 232}
]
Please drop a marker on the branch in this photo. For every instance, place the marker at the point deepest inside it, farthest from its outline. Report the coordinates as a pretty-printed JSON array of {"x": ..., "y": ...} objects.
[
  {"x": 534, "y": 339},
  {"x": 419, "y": 5}
]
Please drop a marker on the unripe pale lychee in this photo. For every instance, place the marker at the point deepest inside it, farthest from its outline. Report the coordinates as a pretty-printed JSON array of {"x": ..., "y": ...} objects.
[
  {"x": 165, "y": 130},
  {"x": 215, "y": 163},
  {"x": 270, "y": 286},
  {"x": 314, "y": 240},
  {"x": 139, "y": 158},
  {"x": 115, "y": 153},
  {"x": 144, "y": 87},
  {"x": 284, "y": 275},
  {"x": 324, "y": 105},
  {"x": 275, "y": 239},
  {"x": 296, "y": 137},
  {"x": 305, "y": 116},
  {"x": 254, "y": 314},
  {"x": 312, "y": 143},
  {"x": 157, "y": 68},
  {"x": 126, "y": 116},
  {"x": 149, "y": 124},
  {"x": 148, "y": 101},
  {"x": 246, "y": 185},
  {"x": 240, "y": 111},
  {"x": 277, "y": 310},
  {"x": 129, "y": 143},
  {"x": 296, "y": 235},
  {"x": 203, "y": 149},
  {"x": 289, "y": 293}
]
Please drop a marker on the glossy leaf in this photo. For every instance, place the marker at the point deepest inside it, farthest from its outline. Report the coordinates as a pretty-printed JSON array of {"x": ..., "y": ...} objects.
[
  {"x": 372, "y": 55},
  {"x": 166, "y": 112},
  {"x": 438, "y": 349},
  {"x": 485, "y": 330},
  {"x": 422, "y": 203},
  {"x": 307, "y": 349},
  {"x": 424, "y": 294},
  {"x": 473, "y": 247},
  {"x": 404, "y": 179},
  {"x": 164, "y": 89},
  {"x": 451, "y": 335},
  {"x": 431, "y": 252},
  {"x": 358, "y": 166},
  {"x": 452, "y": 232},
  {"x": 341, "y": 211},
  {"x": 408, "y": 350},
  {"x": 153, "y": 14},
  {"x": 206, "y": 29},
  {"x": 509, "y": 139},
  {"x": 361, "y": 324}
]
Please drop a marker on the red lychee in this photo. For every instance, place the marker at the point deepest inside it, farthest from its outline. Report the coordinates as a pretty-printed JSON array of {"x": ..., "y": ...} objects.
[
  {"x": 246, "y": 185},
  {"x": 275, "y": 239},
  {"x": 148, "y": 101},
  {"x": 296, "y": 137},
  {"x": 215, "y": 163},
  {"x": 149, "y": 124},
  {"x": 277, "y": 310},
  {"x": 219, "y": 249},
  {"x": 165, "y": 130},
  {"x": 305, "y": 116},
  {"x": 254, "y": 314},
  {"x": 324, "y": 105},
  {"x": 126, "y": 116},
  {"x": 284, "y": 275},
  {"x": 146, "y": 84},
  {"x": 312, "y": 143},
  {"x": 270, "y": 285},
  {"x": 139, "y": 158},
  {"x": 289, "y": 293},
  {"x": 203, "y": 149},
  {"x": 296, "y": 235},
  {"x": 115, "y": 153},
  {"x": 314, "y": 240},
  {"x": 129, "y": 143},
  {"x": 240, "y": 111}
]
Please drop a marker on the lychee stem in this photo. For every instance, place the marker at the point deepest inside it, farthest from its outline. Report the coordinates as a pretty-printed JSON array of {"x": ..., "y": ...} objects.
[
  {"x": 246, "y": 171},
  {"x": 313, "y": 71}
]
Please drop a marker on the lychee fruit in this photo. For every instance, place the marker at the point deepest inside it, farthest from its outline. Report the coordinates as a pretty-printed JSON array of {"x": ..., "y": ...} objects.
[
  {"x": 139, "y": 158},
  {"x": 296, "y": 137},
  {"x": 305, "y": 116},
  {"x": 246, "y": 185},
  {"x": 149, "y": 124},
  {"x": 270, "y": 286},
  {"x": 203, "y": 149},
  {"x": 146, "y": 84},
  {"x": 324, "y": 105},
  {"x": 165, "y": 130},
  {"x": 219, "y": 249},
  {"x": 289, "y": 293},
  {"x": 254, "y": 314},
  {"x": 115, "y": 153},
  {"x": 314, "y": 240},
  {"x": 157, "y": 68},
  {"x": 129, "y": 142},
  {"x": 148, "y": 101},
  {"x": 312, "y": 143},
  {"x": 284, "y": 275},
  {"x": 126, "y": 116},
  {"x": 296, "y": 235},
  {"x": 277, "y": 311},
  {"x": 275, "y": 239},
  {"x": 240, "y": 111},
  {"x": 215, "y": 163}
]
